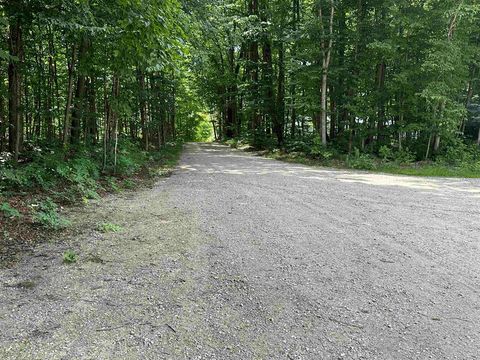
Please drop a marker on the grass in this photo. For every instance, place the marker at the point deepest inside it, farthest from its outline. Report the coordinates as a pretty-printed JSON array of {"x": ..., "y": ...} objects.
[
  {"x": 414, "y": 169},
  {"x": 431, "y": 171}
]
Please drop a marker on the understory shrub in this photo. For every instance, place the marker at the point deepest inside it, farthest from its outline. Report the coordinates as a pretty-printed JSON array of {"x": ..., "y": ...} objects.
[
  {"x": 361, "y": 161},
  {"x": 46, "y": 214},
  {"x": 457, "y": 153},
  {"x": 130, "y": 159},
  {"x": 404, "y": 156},
  {"x": 9, "y": 211},
  {"x": 320, "y": 151}
]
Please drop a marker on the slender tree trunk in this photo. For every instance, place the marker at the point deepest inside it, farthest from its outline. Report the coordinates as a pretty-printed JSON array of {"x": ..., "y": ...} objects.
[
  {"x": 269, "y": 90},
  {"x": 50, "y": 94},
  {"x": 280, "y": 106},
  {"x": 253, "y": 70},
  {"x": 326, "y": 47},
  {"x": 115, "y": 120},
  {"x": 38, "y": 91},
  {"x": 3, "y": 124},
  {"x": 381, "y": 69},
  {"x": 231, "y": 97},
  {"x": 323, "y": 112},
  {"x": 66, "y": 121},
  {"x": 80, "y": 92},
  {"x": 293, "y": 86},
  {"x": 143, "y": 107},
  {"x": 92, "y": 127},
  {"x": 14, "y": 89},
  {"x": 106, "y": 122},
  {"x": 174, "y": 115},
  {"x": 427, "y": 155},
  {"x": 28, "y": 124},
  {"x": 333, "y": 117}
]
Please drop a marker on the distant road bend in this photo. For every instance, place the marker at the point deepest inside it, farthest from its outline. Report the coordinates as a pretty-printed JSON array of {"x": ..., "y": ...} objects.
[{"x": 241, "y": 257}]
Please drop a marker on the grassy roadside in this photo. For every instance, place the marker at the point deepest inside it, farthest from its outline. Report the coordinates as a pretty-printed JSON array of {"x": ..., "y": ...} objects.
[
  {"x": 34, "y": 196},
  {"x": 363, "y": 162}
]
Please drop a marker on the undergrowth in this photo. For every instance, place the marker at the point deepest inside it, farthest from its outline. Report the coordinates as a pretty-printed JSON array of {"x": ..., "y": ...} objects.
[
  {"x": 35, "y": 191},
  {"x": 456, "y": 159}
]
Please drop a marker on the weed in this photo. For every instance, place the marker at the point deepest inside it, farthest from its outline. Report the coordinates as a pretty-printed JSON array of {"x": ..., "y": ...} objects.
[
  {"x": 9, "y": 211},
  {"x": 70, "y": 257},
  {"x": 109, "y": 227},
  {"x": 47, "y": 215},
  {"x": 112, "y": 184},
  {"x": 129, "y": 184}
]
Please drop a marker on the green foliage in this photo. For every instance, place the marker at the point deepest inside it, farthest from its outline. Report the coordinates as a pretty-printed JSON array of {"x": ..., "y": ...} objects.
[
  {"x": 46, "y": 214},
  {"x": 9, "y": 211},
  {"x": 129, "y": 184},
  {"x": 385, "y": 152},
  {"x": 298, "y": 146},
  {"x": 109, "y": 228},
  {"x": 397, "y": 77},
  {"x": 404, "y": 156},
  {"x": 361, "y": 161},
  {"x": 53, "y": 168},
  {"x": 112, "y": 184},
  {"x": 70, "y": 257},
  {"x": 457, "y": 153},
  {"x": 319, "y": 151},
  {"x": 432, "y": 170},
  {"x": 130, "y": 159},
  {"x": 233, "y": 143}
]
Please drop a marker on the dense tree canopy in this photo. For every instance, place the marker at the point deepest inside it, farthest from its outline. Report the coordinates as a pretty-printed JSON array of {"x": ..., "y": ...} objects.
[
  {"x": 90, "y": 72},
  {"x": 350, "y": 74},
  {"x": 354, "y": 74}
]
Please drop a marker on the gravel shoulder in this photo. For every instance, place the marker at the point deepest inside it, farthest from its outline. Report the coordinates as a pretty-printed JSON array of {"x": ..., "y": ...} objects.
[{"x": 240, "y": 257}]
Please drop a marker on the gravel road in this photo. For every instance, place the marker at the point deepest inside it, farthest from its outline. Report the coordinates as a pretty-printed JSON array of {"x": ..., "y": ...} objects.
[{"x": 241, "y": 257}]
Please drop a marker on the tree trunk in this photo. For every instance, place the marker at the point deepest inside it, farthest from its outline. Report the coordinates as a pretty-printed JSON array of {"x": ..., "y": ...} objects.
[
  {"x": 143, "y": 107},
  {"x": 436, "y": 144},
  {"x": 427, "y": 155},
  {"x": 231, "y": 98},
  {"x": 14, "y": 89},
  {"x": 293, "y": 87},
  {"x": 66, "y": 122},
  {"x": 80, "y": 91},
  {"x": 115, "y": 119},
  {"x": 3, "y": 124},
  {"x": 92, "y": 128},
  {"x": 326, "y": 47},
  {"x": 323, "y": 112},
  {"x": 253, "y": 70},
  {"x": 173, "y": 118},
  {"x": 280, "y": 106},
  {"x": 333, "y": 122},
  {"x": 381, "y": 68}
]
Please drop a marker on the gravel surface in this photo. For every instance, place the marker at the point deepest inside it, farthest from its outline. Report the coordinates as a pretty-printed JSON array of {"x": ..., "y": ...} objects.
[{"x": 240, "y": 257}]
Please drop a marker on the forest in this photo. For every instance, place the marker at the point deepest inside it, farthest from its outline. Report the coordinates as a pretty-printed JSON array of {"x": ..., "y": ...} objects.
[
  {"x": 93, "y": 88},
  {"x": 149, "y": 208},
  {"x": 377, "y": 78}
]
